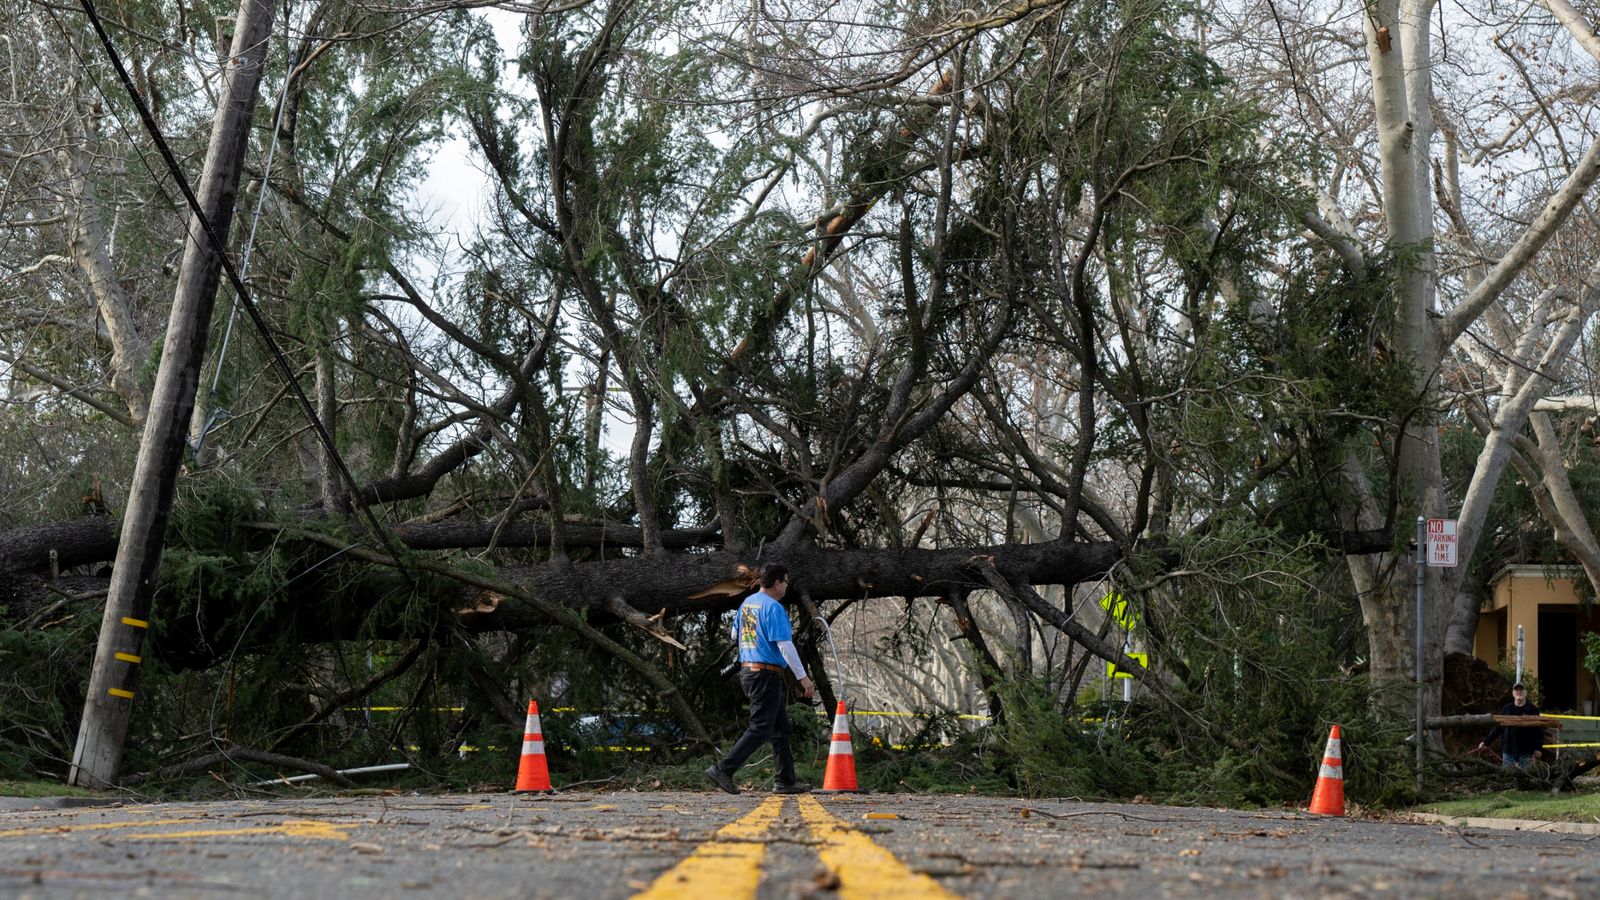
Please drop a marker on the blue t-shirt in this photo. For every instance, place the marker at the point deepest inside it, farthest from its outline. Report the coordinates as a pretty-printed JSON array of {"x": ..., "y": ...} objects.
[{"x": 759, "y": 626}]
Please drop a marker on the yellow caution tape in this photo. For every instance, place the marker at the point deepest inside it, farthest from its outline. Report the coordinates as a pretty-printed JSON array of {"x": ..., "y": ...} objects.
[
  {"x": 455, "y": 709},
  {"x": 399, "y": 708},
  {"x": 909, "y": 715},
  {"x": 569, "y": 709}
]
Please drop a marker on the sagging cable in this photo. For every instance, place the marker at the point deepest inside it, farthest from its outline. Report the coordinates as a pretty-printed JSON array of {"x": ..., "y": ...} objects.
[{"x": 243, "y": 294}]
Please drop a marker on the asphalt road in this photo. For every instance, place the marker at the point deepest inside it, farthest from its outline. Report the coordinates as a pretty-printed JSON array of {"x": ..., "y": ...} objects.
[{"x": 705, "y": 845}]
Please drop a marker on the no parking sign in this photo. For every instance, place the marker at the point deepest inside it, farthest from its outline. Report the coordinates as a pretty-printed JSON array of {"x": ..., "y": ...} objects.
[{"x": 1441, "y": 542}]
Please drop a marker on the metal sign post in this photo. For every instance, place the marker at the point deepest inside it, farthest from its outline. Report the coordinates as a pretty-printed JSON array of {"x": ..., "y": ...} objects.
[
  {"x": 1436, "y": 546},
  {"x": 1421, "y": 576}
]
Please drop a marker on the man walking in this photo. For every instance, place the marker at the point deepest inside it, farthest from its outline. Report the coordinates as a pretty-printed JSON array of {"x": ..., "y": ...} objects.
[
  {"x": 1522, "y": 744},
  {"x": 766, "y": 643}
]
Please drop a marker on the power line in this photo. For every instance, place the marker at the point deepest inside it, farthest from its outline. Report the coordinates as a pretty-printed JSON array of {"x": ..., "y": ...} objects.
[
  {"x": 243, "y": 294},
  {"x": 215, "y": 417}
]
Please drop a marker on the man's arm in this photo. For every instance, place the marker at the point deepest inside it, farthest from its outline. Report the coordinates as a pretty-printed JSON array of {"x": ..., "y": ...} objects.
[
  {"x": 792, "y": 657},
  {"x": 1493, "y": 733}
]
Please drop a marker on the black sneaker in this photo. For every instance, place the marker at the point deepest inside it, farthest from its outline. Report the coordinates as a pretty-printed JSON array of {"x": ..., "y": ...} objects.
[
  {"x": 798, "y": 787},
  {"x": 721, "y": 779}
]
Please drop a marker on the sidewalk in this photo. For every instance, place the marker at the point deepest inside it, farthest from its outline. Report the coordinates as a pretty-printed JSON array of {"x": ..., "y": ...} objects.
[{"x": 1504, "y": 824}]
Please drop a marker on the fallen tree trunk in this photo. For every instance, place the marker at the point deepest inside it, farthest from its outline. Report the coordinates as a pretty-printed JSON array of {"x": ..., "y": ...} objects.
[
  {"x": 460, "y": 535},
  {"x": 684, "y": 582},
  {"x": 671, "y": 582},
  {"x": 93, "y": 539},
  {"x": 76, "y": 542},
  {"x": 1484, "y": 719}
]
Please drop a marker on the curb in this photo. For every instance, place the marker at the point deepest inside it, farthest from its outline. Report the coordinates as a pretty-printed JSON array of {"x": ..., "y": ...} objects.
[{"x": 1506, "y": 824}]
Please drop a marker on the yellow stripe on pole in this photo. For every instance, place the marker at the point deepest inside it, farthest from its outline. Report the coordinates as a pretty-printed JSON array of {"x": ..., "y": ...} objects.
[
  {"x": 865, "y": 870},
  {"x": 130, "y": 658},
  {"x": 728, "y": 865},
  {"x": 119, "y": 692},
  {"x": 136, "y": 623}
]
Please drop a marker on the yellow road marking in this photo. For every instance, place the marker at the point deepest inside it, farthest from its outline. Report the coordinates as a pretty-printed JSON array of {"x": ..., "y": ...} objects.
[
  {"x": 865, "y": 869},
  {"x": 722, "y": 866},
  {"x": 304, "y": 828},
  {"x": 298, "y": 828},
  {"x": 98, "y": 826}
]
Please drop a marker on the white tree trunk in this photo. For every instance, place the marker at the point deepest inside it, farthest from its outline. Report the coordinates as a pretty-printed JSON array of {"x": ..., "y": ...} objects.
[{"x": 90, "y": 250}]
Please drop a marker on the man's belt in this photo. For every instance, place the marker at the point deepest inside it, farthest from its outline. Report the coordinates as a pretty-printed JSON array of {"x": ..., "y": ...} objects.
[{"x": 761, "y": 667}]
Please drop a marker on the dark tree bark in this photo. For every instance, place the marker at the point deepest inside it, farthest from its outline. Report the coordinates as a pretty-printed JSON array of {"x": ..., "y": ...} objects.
[
  {"x": 714, "y": 580},
  {"x": 76, "y": 542},
  {"x": 453, "y": 535},
  {"x": 679, "y": 583}
]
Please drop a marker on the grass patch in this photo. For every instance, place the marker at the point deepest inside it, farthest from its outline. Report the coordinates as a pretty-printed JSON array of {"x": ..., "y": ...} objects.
[
  {"x": 31, "y": 789},
  {"x": 1523, "y": 805}
]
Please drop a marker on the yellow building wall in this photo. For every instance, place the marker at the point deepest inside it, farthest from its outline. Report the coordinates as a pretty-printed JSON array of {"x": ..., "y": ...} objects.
[
  {"x": 1488, "y": 643},
  {"x": 1517, "y": 594}
]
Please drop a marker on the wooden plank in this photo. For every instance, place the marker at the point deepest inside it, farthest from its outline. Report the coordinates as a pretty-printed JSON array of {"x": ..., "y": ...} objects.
[{"x": 1486, "y": 719}]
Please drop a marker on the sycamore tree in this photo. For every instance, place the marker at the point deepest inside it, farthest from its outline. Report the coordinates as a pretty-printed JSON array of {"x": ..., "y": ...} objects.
[{"x": 1458, "y": 158}]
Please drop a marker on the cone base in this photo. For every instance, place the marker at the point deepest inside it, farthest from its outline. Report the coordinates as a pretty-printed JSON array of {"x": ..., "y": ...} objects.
[
  {"x": 533, "y": 790},
  {"x": 1324, "y": 807},
  {"x": 841, "y": 791}
]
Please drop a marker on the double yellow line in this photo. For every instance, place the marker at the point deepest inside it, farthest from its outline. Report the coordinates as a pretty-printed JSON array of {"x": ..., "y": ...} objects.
[{"x": 729, "y": 864}]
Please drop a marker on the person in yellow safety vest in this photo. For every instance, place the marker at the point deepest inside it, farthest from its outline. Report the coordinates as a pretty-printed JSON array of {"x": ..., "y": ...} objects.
[{"x": 766, "y": 645}]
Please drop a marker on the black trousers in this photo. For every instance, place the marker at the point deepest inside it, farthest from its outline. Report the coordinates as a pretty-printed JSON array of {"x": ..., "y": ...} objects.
[{"x": 769, "y": 721}]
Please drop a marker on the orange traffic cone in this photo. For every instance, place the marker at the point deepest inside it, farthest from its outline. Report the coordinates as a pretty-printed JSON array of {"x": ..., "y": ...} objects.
[
  {"x": 534, "y": 773},
  {"x": 841, "y": 774},
  {"x": 1328, "y": 798}
]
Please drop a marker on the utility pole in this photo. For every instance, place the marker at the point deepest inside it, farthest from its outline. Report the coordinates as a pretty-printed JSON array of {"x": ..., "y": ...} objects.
[
  {"x": 112, "y": 684},
  {"x": 1422, "y": 574}
]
